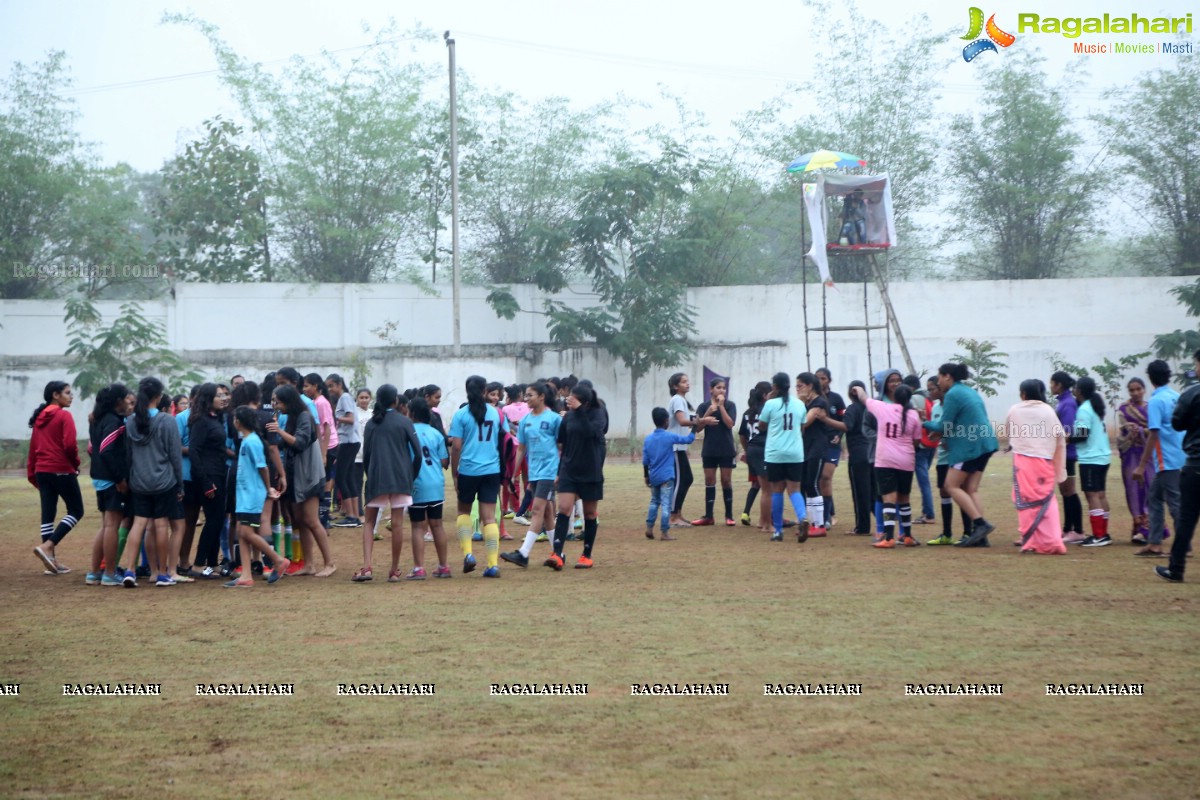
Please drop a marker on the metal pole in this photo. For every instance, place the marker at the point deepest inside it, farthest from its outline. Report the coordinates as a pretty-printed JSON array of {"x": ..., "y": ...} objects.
[
  {"x": 454, "y": 199},
  {"x": 825, "y": 325},
  {"x": 804, "y": 280},
  {"x": 867, "y": 327}
]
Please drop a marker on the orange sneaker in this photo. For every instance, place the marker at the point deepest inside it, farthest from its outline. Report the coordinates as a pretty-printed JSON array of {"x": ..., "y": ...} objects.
[
  {"x": 885, "y": 544},
  {"x": 909, "y": 541},
  {"x": 554, "y": 561},
  {"x": 295, "y": 567},
  {"x": 583, "y": 563}
]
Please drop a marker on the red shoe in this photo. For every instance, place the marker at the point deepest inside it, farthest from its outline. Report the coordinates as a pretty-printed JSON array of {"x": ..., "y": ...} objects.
[
  {"x": 294, "y": 568},
  {"x": 909, "y": 541},
  {"x": 583, "y": 563},
  {"x": 702, "y": 522},
  {"x": 817, "y": 532},
  {"x": 885, "y": 544},
  {"x": 554, "y": 561}
]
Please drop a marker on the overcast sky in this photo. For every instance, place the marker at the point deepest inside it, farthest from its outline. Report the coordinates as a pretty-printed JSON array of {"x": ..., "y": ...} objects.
[{"x": 724, "y": 58}]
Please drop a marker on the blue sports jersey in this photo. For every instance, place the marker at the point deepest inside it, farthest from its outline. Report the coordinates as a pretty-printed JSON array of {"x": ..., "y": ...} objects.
[
  {"x": 480, "y": 449},
  {"x": 251, "y": 492},
  {"x": 785, "y": 430},
  {"x": 430, "y": 485},
  {"x": 539, "y": 434},
  {"x": 181, "y": 421}
]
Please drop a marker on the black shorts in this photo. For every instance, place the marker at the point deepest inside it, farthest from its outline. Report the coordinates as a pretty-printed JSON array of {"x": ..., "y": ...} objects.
[
  {"x": 833, "y": 455},
  {"x": 893, "y": 480},
  {"x": 154, "y": 506},
  {"x": 788, "y": 471},
  {"x": 484, "y": 487},
  {"x": 249, "y": 519},
  {"x": 111, "y": 500},
  {"x": 191, "y": 494},
  {"x": 977, "y": 464},
  {"x": 756, "y": 460},
  {"x": 424, "y": 511},
  {"x": 542, "y": 490},
  {"x": 584, "y": 490},
  {"x": 1092, "y": 477},
  {"x": 716, "y": 462},
  {"x": 1071, "y": 462}
]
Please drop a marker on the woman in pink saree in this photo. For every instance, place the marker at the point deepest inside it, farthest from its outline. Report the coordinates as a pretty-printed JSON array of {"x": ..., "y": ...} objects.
[
  {"x": 1039, "y": 447},
  {"x": 1131, "y": 442}
]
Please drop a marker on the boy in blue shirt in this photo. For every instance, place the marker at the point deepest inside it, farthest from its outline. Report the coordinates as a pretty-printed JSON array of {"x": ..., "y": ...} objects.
[{"x": 658, "y": 465}]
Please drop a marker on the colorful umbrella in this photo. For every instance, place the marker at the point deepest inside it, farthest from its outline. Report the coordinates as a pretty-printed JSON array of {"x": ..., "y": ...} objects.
[{"x": 825, "y": 159}]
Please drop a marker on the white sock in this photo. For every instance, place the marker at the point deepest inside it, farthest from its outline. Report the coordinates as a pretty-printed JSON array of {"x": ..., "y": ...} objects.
[
  {"x": 527, "y": 545},
  {"x": 816, "y": 511}
]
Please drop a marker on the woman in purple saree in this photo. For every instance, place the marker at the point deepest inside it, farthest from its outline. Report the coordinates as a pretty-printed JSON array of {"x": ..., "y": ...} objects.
[{"x": 1131, "y": 442}]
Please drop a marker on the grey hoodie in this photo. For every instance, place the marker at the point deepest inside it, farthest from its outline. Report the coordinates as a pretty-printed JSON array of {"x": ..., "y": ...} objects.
[{"x": 155, "y": 457}]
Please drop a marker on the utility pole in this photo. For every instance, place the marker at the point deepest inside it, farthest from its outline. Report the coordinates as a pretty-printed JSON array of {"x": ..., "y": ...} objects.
[{"x": 454, "y": 199}]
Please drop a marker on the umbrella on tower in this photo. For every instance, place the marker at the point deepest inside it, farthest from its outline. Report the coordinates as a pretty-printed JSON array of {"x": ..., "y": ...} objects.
[{"x": 825, "y": 159}]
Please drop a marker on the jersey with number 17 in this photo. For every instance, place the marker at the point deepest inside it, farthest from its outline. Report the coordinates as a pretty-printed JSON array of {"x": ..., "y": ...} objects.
[
  {"x": 785, "y": 430},
  {"x": 480, "y": 450}
]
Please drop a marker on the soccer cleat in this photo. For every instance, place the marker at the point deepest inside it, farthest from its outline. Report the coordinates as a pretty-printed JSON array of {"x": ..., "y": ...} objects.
[
  {"x": 468, "y": 563},
  {"x": 729, "y": 523},
  {"x": 777, "y": 536},
  {"x": 817, "y": 532},
  {"x": 91, "y": 579},
  {"x": 1097, "y": 541},
  {"x": 885, "y": 544},
  {"x": 417, "y": 574},
  {"x": 802, "y": 531},
  {"x": 1166, "y": 574},
  {"x": 746, "y": 520},
  {"x": 703, "y": 522},
  {"x": 555, "y": 562},
  {"x": 977, "y": 536},
  {"x": 542, "y": 537},
  {"x": 491, "y": 572},
  {"x": 130, "y": 579},
  {"x": 941, "y": 540},
  {"x": 509, "y": 515},
  {"x": 520, "y": 520},
  {"x": 477, "y": 537},
  {"x": 442, "y": 572},
  {"x": 583, "y": 563},
  {"x": 515, "y": 557},
  {"x": 909, "y": 541}
]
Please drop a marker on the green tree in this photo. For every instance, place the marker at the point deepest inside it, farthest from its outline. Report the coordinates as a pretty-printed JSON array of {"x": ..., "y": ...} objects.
[
  {"x": 984, "y": 362},
  {"x": 42, "y": 167},
  {"x": 1151, "y": 128},
  {"x": 210, "y": 213},
  {"x": 626, "y": 231},
  {"x": 1019, "y": 188},
  {"x": 1179, "y": 345}
]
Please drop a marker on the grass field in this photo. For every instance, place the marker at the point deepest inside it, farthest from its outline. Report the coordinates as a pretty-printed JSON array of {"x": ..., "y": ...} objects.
[{"x": 718, "y": 606}]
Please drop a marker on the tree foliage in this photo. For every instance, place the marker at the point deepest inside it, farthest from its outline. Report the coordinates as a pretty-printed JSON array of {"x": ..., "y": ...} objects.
[
  {"x": 1179, "y": 345},
  {"x": 210, "y": 212},
  {"x": 1019, "y": 187},
  {"x": 1151, "y": 127},
  {"x": 985, "y": 363}
]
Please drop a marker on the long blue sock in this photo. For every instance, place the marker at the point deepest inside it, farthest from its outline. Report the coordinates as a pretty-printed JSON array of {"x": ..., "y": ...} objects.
[
  {"x": 879, "y": 517},
  {"x": 777, "y": 510},
  {"x": 798, "y": 504}
]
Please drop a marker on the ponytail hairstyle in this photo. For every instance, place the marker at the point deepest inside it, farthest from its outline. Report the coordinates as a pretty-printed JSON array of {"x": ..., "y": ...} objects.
[
  {"x": 584, "y": 394},
  {"x": 758, "y": 396},
  {"x": 52, "y": 388},
  {"x": 1064, "y": 380},
  {"x": 673, "y": 385},
  {"x": 901, "y": 396},
  {"x": 202, "y": 405},
  {"x": 853, "y": 396},
  {"x": 316, "y": 380},
  {"x": 596, "y": 397},
  {"x": 418, "y": 411},
  {"x": 476, "y": 402},
  {"x": 335, "y": 378},
  {"x": 247, "y": 417},
  {"x": 1087, "y": 390},
  {"x": 148, "y": 390},
  {"x": 782, "y": 385},
  {"x": 107, "y": 399},
  {"x": 385, "y": 398},
  {"x": 294, "y": 406},
  {"x": 956, "y": 372},
  {"x": 811, "y": 381},
  {"x": 1033, "y": 389}
]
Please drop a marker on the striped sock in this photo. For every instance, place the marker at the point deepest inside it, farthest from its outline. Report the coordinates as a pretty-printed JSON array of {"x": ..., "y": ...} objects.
[
  {"x": 47, "y": 531},
  {"x": 491, "y": 539},
  {"x": 889, "y": 521},
  {"x": 905, "y": 521},
  {"x": 465, "y": 528}
]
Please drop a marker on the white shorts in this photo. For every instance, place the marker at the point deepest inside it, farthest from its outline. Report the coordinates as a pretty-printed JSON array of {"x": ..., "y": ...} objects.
[{"x": 391, "y": 501}]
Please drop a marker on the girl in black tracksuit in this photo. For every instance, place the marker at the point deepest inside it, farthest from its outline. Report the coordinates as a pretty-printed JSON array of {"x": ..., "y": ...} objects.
[{"x": 206, "y": 451}]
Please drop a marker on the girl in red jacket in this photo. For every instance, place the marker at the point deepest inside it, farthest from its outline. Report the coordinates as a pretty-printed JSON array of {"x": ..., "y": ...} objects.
[{"x": 53, "y": 468}]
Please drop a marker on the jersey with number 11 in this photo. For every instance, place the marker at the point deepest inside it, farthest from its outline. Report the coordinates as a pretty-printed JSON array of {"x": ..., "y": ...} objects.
[{"x": 785, "y": 430}]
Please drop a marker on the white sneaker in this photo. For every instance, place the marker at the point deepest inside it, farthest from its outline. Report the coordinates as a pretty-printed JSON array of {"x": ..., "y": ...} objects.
[
  {"x": 428, "y": 536},
  {"x": 520, "y": 520}
]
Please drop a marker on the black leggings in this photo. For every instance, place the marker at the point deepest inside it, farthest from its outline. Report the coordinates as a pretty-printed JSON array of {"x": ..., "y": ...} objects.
[
  {"x": 810, "y": 484},
  {"x": 51, "y": 487},
  {"x": 683, "y": 480},
  {"x": 208, "y": 554},
  {"x": 343, "y": 479},
  {"x": 862, "y": 492}
]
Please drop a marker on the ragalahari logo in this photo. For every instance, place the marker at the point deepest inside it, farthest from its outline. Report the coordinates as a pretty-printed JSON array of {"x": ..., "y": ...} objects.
[{"x": 995, "y": 36}]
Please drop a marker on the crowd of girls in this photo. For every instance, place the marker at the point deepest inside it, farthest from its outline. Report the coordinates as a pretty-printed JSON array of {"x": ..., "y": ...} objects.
[{"x": 262, "y": 463}]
